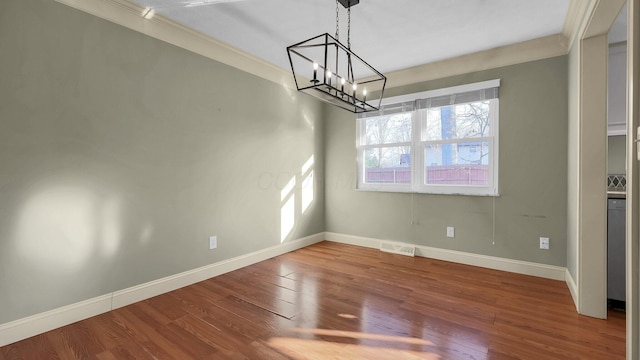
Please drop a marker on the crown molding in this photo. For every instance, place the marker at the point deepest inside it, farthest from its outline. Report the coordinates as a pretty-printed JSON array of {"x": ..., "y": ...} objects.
[
  {"x": 130, "y": 15},
  {"x": 601, "y": 15},
  {"x": 537, "y": 49},
  {"x": 589, "y": 18},
  {"x": 573, "y": 21}
]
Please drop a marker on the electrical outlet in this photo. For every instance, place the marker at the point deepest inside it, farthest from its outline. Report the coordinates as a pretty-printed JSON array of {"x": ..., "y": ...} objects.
[
  {"x": 451, "y": 231},
  {"x": 544, "y": 243},
  {"x": 213, "y": 242}
]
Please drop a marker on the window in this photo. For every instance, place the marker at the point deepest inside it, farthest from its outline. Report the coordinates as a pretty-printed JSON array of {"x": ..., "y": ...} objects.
[
  {"x": 442, "y": 141},
  {"x": 385, "y": 153}
]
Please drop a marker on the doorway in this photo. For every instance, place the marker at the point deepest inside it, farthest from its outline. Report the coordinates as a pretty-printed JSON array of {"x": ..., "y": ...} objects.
[{"x": 616, "y": 162}]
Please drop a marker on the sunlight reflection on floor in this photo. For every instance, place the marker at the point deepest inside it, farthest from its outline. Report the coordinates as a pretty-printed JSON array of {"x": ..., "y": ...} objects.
[
  {"x": 378, "y": 347},
  {"x": 300, "y": 349},
  {"x": 359, "y": 335}
]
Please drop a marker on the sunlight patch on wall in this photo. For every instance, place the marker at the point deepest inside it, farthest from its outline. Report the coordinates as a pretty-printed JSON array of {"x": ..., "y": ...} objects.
[
  {"x": 145, "y": 233},
  {"x": 288, "y": 209},
  {"x": 308, "y": 165},
  {"x": 63, "y": 226},
  {"x": 308, "y": 118},
  {"x": 307, "y": 184},
  {"x": 296, "y": 197},
  {"x": 108, "y": 226},
  {"x": 287, "y": 190}
]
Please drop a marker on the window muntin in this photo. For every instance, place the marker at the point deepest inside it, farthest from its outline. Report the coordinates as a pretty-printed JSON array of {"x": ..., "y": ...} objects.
[{"x": 447, "y": 146}]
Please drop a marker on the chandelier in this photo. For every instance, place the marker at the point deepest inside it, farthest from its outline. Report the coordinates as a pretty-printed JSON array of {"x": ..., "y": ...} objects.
[{"x": 325, "y": 68}]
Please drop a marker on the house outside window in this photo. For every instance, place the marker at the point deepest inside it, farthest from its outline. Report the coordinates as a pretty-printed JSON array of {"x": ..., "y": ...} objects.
[{"x": 442, "y": 141}]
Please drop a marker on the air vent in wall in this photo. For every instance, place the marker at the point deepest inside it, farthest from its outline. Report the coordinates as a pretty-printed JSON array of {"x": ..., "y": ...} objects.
[{"x": 397, "y": 248}]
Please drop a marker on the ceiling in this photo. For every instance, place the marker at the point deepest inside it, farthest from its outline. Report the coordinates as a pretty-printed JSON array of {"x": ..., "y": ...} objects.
[{"x": 389, "y": 35}]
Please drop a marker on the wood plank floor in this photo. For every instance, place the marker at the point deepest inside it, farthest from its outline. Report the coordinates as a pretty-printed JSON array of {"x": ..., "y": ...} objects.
[{"x": 335, "y": 301}]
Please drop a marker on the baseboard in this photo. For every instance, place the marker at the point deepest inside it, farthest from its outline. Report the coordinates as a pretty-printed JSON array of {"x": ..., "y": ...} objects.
[
  {"x": 353, "y": 240},
  {"x": 573, "y": 287},
  {"x": 154, "y": 288},
  {"x": 490, "y": 262},
  {"x": 37, "y": 324},
  {"x": 33, "y": 325}
]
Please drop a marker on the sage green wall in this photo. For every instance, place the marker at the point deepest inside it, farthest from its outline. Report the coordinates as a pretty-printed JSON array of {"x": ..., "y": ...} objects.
[
  {"x": 533, "y": 176},
  {"x": 616, "y": 155},
  {"x": 121, "y": 155}
]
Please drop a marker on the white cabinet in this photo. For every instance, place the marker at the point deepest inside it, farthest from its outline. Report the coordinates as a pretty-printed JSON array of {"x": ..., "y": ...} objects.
[{"x": 617, "y": 92}]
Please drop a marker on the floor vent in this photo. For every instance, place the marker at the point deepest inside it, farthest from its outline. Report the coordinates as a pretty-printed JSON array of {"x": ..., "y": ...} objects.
[{"x": 398, "y": 248}]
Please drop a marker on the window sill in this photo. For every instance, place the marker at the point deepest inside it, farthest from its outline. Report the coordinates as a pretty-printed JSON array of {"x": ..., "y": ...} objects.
[{"x": 408, "y": 191}]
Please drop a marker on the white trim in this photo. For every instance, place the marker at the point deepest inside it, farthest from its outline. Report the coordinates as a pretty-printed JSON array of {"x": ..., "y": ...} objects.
[
  {"x": 532, "y": 50},
  {"x": 33, "y": 325},
  {"x": 36, "y": 324},
  {"x": 458, "y": 89},
  {"x": 490, "y": 262},
  {"x": 356, "y": 240},
  {"x": 573, "y": 287},
  {"x": 574, "y": 20},
  {"x": 631, "y": 238},
  {"x": 129, "y": 15},
  {"x": 418, "y": 145},
  {"x": 616, "y": 129},
  {"x": 153, "y": 288}
]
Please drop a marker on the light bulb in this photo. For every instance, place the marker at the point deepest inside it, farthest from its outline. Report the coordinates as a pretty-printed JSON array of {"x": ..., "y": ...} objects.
[
  {"x": 342, "y": 81},
  {"x": 355, "y": 86},
  {"x": 364, "y": 92},
  {"x": 329, "y": 73},
  {"x": 315, "y": 72}
]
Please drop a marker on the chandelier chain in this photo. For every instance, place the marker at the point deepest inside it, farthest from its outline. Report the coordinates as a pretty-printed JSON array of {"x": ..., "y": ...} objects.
[
  {"x": 348, "y": 24},
  {"x": 337, "y": 22},
  {"x": 349, "y": 27}
]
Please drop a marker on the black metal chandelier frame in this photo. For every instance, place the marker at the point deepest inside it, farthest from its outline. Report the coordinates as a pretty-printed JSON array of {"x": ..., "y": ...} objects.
[{"x": 325, "y": 79}]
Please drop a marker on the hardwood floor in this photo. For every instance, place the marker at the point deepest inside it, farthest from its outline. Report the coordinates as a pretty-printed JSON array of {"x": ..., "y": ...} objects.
[{"x": 335, "y": 301}]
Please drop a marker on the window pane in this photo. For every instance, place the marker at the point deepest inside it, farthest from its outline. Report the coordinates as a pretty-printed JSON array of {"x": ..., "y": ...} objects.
[
  {"x": 389, "y": 129},
  {"x": 464, "y": 163},
  {"x": 390, "y": 165},
  {"x": 457, "y": 121}
]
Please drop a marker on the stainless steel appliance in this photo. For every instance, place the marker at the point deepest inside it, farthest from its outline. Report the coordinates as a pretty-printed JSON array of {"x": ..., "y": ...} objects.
[{"x": 616, "y": 283}]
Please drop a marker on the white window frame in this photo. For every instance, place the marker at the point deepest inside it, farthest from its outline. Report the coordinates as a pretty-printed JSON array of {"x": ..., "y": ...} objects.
[
  {"x": 394, "y": 187},
  {"x": 418, "y": 145}
]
